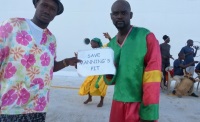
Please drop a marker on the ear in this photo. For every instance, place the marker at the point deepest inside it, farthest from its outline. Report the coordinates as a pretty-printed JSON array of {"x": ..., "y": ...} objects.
[
  {"x": 131, "y": 15},
  {"x": 111, "y": 15}
]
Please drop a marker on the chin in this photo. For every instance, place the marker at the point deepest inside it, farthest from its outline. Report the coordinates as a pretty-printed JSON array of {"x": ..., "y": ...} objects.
[
  {"x": 46, "y": 21},
  {"x": 120, "y": 27}
]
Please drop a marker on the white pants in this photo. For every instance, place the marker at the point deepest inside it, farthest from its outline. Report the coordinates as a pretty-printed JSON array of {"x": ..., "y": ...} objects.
[
  {"x": 190, "y": 70},
  {"x": 178, "y": 79}
]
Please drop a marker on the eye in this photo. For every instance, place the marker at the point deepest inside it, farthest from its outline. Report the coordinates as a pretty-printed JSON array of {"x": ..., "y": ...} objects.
[
  {"x": 115, "y": 13},
  {"x": 45, "y": 5},
  {"x": 53, "y": 9},
  {"x": 124, "y": 13}
]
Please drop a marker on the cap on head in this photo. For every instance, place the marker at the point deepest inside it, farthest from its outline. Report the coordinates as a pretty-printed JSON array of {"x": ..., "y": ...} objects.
[
  {"x": 60, "y": 6},
  {"x": 165, "y": 37},
  {"x": 98, "y": 41}
]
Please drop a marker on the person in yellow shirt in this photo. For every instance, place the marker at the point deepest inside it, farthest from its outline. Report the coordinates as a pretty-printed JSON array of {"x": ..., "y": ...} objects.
[{"x": 94, "y": 85}]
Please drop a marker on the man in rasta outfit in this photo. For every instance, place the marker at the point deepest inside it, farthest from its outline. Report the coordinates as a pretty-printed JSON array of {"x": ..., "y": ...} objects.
[{"x": 138, "y": 69}]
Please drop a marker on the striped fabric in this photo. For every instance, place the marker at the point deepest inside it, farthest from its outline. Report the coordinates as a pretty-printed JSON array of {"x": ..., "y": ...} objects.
[{"x": 149, "y": 109}]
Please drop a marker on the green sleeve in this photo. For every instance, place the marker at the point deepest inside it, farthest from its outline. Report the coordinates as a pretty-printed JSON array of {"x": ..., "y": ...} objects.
[{"x": 149, "y": 112}]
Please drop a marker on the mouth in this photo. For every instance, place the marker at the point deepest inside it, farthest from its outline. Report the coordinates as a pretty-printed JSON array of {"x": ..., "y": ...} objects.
[
  {"x": 120, "y": 23},
  {"x": 45, "y": 16}
]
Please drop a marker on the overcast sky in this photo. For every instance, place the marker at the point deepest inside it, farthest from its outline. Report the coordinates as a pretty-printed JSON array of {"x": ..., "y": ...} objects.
[{"x": 179, "y": 19}]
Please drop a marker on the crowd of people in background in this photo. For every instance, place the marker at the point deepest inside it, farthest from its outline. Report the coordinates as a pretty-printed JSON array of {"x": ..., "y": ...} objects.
[{"x": 182, "y": 67}]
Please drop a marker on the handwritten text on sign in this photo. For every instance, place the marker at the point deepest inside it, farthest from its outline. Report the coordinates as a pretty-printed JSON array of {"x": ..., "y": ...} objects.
[{"x": 96, "y": 62}]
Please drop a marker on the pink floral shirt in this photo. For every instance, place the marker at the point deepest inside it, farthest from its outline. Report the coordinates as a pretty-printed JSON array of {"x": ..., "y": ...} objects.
[{"x": 26, "y": 69}]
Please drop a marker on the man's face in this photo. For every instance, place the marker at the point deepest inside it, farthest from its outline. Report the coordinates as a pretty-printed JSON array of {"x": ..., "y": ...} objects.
[
  {"x": 182, "y": 56},
  {"x": 190, "y": 42},
  {"x": 46, "y": 10},
  {"x": 120, "y": 15},
  {"x": 167, "y": 40}
]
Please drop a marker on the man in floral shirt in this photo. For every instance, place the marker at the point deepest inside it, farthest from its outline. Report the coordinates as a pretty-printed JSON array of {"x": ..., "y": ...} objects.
[{"x": 27, "y": 63}]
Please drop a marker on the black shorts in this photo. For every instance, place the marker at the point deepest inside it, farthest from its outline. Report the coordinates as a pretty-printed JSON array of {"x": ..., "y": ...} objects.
[{"x": 31, "y": 117}]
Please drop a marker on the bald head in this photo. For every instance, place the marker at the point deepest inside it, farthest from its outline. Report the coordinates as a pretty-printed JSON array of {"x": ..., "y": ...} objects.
[
  {"x": 121, "y": 14},
  {"x": 121, "y": 3}
]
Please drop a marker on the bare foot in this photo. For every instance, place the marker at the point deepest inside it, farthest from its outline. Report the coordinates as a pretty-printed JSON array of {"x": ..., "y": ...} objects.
[
  {"x": 100, "y": 104},
  {"x": 88, "y": 100}
]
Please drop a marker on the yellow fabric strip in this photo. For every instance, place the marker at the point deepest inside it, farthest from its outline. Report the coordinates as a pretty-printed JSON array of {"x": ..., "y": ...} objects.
[{"x": 152, "y": 76}]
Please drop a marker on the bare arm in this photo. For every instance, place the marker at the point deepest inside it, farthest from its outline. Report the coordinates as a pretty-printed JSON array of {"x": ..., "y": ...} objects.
[
  {"x": 64, "y": 63},
  {"x": 196, "y": 48},
  {"x": 185, "y": 66},
  {"x": 107, "y": 36}
]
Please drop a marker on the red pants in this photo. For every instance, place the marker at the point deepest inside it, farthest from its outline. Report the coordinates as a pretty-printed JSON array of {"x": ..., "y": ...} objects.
[{"x": 125, "y": 112}]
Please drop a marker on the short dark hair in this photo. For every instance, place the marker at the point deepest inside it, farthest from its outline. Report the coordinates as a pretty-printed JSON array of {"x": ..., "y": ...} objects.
[
  {"x": 189, "y": 40},
  {"x": 165, "y": 37}
]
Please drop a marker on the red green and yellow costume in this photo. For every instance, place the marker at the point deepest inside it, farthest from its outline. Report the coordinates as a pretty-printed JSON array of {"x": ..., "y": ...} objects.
[{"x": 138, "y": 72}]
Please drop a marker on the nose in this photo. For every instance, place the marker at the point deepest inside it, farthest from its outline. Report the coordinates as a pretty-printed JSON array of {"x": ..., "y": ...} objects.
[
  {"x": 47, "y": 11},
  {"x": 120, "y": 16}
]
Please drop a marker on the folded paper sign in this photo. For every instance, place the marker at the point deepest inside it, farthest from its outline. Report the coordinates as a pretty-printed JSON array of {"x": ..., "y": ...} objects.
[{"x": 98, "y": 61}]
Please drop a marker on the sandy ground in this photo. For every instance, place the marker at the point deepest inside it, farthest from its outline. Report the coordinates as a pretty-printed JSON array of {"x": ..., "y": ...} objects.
[{"x": 67, "y": 106}]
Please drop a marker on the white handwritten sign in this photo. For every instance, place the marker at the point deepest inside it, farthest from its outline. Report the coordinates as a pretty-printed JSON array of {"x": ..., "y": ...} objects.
[{"x": 96, "y": 62}]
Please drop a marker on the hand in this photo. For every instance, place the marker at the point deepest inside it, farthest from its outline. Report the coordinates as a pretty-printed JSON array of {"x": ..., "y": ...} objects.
[
  {"x": 72, "y": 61},
  {"x": 76, "y": 55},
  {"x": 109, "y": 76},
  {"x": 171, "y": 57},
  {"x": 196, "y": 47},
  {"x": 107, "y": 36}
]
